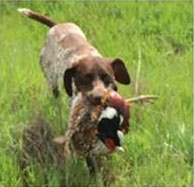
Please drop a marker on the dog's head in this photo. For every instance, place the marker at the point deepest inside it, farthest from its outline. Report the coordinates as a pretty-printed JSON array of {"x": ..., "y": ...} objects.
[{"x": 93, "y": 75}]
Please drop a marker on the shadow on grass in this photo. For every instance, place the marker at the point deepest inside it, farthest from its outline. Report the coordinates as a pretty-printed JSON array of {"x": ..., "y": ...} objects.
[{"x": 42, "y": 160}]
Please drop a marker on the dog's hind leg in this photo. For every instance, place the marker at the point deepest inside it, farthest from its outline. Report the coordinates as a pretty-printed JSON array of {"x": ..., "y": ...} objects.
[{"x": 56, "y": 92}]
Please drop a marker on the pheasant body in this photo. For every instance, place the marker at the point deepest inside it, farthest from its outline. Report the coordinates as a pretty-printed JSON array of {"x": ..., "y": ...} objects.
[{"x": 96, "y": 130}]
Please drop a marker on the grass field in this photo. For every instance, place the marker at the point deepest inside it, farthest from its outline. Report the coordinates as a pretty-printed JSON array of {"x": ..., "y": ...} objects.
[{"x": 158, "y": 149}]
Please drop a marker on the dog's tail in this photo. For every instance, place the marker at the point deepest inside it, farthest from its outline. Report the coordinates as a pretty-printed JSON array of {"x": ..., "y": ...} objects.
[{"x": 36, "y": 16}]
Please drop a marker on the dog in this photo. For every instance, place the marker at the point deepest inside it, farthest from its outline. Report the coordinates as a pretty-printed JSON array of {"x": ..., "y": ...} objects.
[{"x": 68, "y": 57}]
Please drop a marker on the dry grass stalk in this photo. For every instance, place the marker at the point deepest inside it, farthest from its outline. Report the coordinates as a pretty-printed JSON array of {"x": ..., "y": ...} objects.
[
  {"x": 138, "y": 73},
  {"x": 142, "y": 99}
]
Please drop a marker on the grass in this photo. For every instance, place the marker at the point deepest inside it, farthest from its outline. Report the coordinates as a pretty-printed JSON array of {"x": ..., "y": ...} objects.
[{"x": 159, "y": 145}]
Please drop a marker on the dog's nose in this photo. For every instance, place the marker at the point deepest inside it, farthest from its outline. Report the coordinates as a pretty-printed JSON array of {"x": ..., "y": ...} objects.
[{"x": 97, "y": 100}]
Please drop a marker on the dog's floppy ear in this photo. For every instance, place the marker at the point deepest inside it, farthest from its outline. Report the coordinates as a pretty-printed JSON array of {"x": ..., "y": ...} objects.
[
  {"x": 67, "y": 80},
  {"x": 120, "y": 71}
]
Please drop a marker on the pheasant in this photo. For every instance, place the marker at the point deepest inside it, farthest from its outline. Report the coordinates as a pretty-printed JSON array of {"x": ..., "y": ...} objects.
[{"x": 96, "y": 131}]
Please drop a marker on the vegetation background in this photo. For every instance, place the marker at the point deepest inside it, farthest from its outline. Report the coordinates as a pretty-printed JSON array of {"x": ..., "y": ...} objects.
[{"x": 156, "y": 34}]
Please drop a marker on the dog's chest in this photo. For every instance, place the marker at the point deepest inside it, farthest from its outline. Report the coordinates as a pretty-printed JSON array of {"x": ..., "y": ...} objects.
[{"x": 82, "y": 129}]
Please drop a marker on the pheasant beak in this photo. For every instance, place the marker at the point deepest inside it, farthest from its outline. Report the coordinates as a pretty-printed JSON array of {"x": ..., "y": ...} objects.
[{"x": 119, "y": 149}]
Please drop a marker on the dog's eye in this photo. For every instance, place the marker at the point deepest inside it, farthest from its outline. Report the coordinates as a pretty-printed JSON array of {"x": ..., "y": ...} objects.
[
  {"x": 86, "y": 79},
  {"x": 89, "y": 77},
  {"x": 104, "y": 76},
  {"x": 106, "y": 79},
  {"x": 114, "y": 87}
]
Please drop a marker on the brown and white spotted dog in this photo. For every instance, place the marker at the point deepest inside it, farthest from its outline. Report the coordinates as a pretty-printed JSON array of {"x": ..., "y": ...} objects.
[{"x": 67, "y": 56}]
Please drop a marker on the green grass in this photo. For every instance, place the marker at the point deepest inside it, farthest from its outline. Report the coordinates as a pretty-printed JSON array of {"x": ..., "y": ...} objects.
[{"x": 159, "y": 145}]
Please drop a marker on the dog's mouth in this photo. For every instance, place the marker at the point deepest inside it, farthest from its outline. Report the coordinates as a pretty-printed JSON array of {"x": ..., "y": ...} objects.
[{"x": 109, "y": 129}]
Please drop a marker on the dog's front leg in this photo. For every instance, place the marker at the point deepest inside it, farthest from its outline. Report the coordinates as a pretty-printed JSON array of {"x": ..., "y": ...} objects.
[
  {"x": 91, "y": 164},
  {"x": 108, "y": 176},
  {"x": 101, "y": 165}
]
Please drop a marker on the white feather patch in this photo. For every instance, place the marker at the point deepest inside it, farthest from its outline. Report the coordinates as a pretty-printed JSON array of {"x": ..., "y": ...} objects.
[
  {"x": 120, "y": 135},
  {"x": 109, "y": 113},
  {"x": 121, "y": 120}
]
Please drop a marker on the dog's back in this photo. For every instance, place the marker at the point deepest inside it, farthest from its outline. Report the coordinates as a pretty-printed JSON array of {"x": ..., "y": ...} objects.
[
  {"x": 68, "y": 56},
  {"x": 65, "y": 45}
]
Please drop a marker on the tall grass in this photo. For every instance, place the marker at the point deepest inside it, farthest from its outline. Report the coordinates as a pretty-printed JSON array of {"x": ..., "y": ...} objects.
[{"x": 159, "y": 145}]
